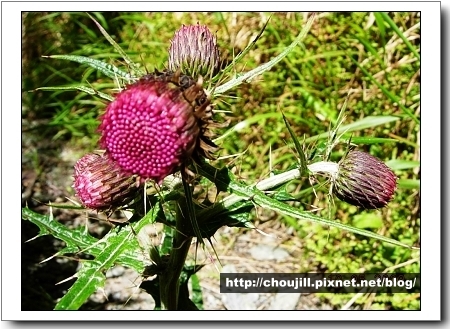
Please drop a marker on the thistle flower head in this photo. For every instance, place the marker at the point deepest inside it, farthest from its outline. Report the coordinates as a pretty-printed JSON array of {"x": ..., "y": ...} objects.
[
  {"x": 193, "y": 50},
  {"x": 363, "y": 180},
  {"x": 100, "y": 183},
  {"x": 153, "y": 127}
]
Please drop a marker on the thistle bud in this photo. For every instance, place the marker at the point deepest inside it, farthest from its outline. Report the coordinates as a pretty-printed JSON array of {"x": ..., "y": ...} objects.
[
  {"x": 363, "y": 180},
  {"x": 100, "y": 184},
  {"x": 193, "y": 50}
]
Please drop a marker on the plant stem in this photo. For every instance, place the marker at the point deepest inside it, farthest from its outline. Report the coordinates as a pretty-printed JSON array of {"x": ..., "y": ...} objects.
[
  {"x": 266, "y": 184},
  {"x": 240, "y": 191},
  {"x": 169, "y": 280}
]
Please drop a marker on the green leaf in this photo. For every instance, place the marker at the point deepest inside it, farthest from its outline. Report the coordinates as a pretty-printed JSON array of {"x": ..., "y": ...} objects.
[
  {"x": 408, "y": 184},
  {"x": 247, "y": 77},
  {"x": 85, "y": 89},
  {"x": 79, "y": 240},
  {"x": 380, "y": 23},
  {"x": 119, "y": 246},
  {"x": 242, "y": 53},
  {"x": 107, "y": 69},
  {"x": 392, "y": 24},
  {"x": 367, "y": 220},
  {"x": 127, "y": 59},
  {"x": 197, "y": 297},
  {"x": 397, "y": 164},
  {"x": 367, "y": 44},
  {"x": 364, "y": 123},
  {"x": 252, "y": 120},
  {"x": 298, "y": 147},
  {"x": 370, "y": 140},
  {"x": 391, "y": 96}
]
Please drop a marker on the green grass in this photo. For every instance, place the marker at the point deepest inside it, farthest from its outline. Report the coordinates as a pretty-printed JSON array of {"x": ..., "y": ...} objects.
[{"x": 372, "y": 58}]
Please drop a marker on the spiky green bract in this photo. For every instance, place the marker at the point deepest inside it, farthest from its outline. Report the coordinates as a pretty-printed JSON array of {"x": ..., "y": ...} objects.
[
  {"x": 101, "y": 184},
  {"x": 364, "y": 181}
]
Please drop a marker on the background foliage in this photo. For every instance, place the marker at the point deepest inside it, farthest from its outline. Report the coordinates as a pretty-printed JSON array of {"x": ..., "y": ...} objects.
[{"x": 373, "y": 58}]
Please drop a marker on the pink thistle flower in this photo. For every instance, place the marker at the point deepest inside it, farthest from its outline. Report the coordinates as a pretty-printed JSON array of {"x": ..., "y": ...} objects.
[{"x": 153, "y": 127}]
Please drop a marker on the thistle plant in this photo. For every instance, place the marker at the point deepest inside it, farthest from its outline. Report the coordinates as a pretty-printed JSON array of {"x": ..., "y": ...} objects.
[{"x": 157, "y": 142}]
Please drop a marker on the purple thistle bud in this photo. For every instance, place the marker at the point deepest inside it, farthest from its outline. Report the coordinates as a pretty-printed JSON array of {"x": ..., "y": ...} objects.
[
  {"x": 193, "y": 50},
  {"x": 363, "y": 180},
  {"x": 100, "y": 183},
  {"x": 152, "y": 128}
]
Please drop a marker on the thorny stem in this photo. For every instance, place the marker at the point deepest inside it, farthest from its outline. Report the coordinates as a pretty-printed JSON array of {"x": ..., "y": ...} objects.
[
  {"x": 181, "y": 243},
  {"x": 169, "y": 280},
  {"x": 328, "y": 168}
]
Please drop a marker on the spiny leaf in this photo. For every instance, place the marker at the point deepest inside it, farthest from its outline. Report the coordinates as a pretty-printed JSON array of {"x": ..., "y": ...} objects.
[
  {"x": 115, "y": 244},
  {"x": 242, "y": 53},
  {"x": 191, "y": 211},
  {"x": 78, "y": 240},
  {"x": 127, "y": 59},
  {"x": 85, "y": 89},
  {"x": 90, "y": 278},
  {"x": 298, "y": 147},
  {"x": 247, "y": 77},
  {"x": 108, "y": 69},
  {"x": 46, "y": 224}
]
